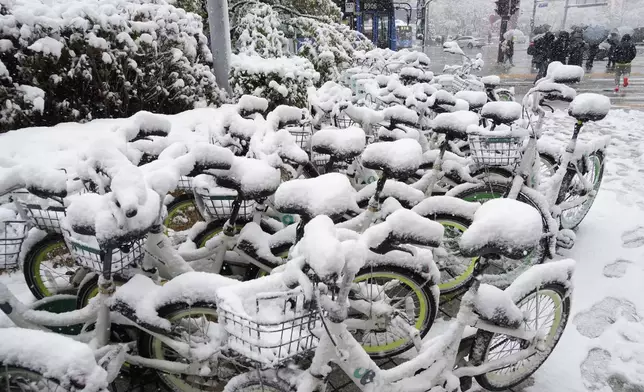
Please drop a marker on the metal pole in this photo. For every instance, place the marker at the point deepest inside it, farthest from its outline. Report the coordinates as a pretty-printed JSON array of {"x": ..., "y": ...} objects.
[
  {"x": 563, "y": 25},
  {"x": 425, "y": 25},
  {"x": 504, "y": 28},
  {"x": 532, "y": 21},
  {"x": 220, "y": 41}
]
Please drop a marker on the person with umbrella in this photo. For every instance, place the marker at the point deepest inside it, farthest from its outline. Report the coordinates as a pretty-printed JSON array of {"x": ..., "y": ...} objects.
[
  {"x": 543, "y": 54},
  {"x": 507, "y": 46},
  {"x": 576, "y": 48},
  {"x": 613, "y": 41},
  {"x": 593, "y": 36},
  {"x": 560, "y": 47},
  {"x": 624, "y": 54}
]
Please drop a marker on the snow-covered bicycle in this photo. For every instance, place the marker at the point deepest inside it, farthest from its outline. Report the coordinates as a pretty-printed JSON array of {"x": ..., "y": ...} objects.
[
  {"x": 517, "y": 328},
  {"x": 566, "y": 196}
]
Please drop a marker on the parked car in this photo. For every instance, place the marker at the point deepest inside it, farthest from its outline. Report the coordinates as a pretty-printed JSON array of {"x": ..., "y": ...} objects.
[{"x": 470, "y": 42}]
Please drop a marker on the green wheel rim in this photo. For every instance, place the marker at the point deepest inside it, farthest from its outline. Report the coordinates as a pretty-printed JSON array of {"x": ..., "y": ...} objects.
[
  {"x": 159, "y": 351},
  {"x": 181, "y": 209},
  {"x": 37, "y": 265},
  {"x": 423, "y": 307},
  {"x": 456, "y": 281},
  {"x": 214, "y": 232}
]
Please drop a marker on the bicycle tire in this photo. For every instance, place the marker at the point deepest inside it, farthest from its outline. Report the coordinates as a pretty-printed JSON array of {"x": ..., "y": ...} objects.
[
  {"x": 182, "y": 205},
  {"x": 452, "y": 223},
  {"x": 151, "y": 347},
  {"x": 427, "y": 305},
  {"x": 211, "y": 230},
  {"x": 89, "y": 289},
  {"x": 20, "y": 378},
  {"x": 495, "y": 190},
  {"x": 483, "y": 340},
  {"x": 52, "y": 244},
  {"x": 258, "y": 381},
  {"x": 586, "y": 205}
]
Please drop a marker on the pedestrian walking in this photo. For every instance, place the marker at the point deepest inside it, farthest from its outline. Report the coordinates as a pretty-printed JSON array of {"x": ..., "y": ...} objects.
[
  {"x": 613, "y": 41},
  {"x": 543, "y": 54},
  {"x": 576, "y": 49},
  {"x": 507, "y": 47},
  {"x": 625, "y": 52},
  {"x": 560, "y": 47},
  {"x": 592, "y": 53}
]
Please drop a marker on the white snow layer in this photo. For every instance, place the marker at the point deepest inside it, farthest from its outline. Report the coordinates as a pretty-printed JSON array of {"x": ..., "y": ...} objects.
[
  {"x": 504, "y": 224},
  {"x": 400, "y": 156},
  {"x": 55, "y": 356},
  {"x": 590, "y": 106}
]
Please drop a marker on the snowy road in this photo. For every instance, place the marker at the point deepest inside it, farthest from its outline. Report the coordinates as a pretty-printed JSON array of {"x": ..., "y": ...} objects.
[{"x": 603, "y": 346}]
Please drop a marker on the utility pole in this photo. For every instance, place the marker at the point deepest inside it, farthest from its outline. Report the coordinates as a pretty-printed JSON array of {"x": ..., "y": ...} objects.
[
  {"x": 425, "y": 22},
  {"x": 533, "y": 20},
  {"x": 220, "y": 41},
  {"x": 563, "y": 24}
]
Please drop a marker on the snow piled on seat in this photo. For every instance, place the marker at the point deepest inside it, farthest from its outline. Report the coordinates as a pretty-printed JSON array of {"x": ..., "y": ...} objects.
[
  {"x": 495, "y": 305},
  {"x": 329, "y": 194},
  {"x": 505, "y": 224},
  {"x": 491, "y": 80},
  {"x": 502, "y": 112},
  {"x": 563, "y": 73},
  {"x": 557, "y": 89},
  {"x": 400, "y": 157},
  {"x": 55, "y": 356},
  {"x": 251, "y": 103},
  {"x": 455, "y": 123},
  {"x": 590, "y": 106},
  {"x": 347, "y": 142},
  {"x": 446, "y": 205},
  {"x": 475, "y": 99},
  {"x": 401, "y": 114},
  {"x": 251, "y": 176}
]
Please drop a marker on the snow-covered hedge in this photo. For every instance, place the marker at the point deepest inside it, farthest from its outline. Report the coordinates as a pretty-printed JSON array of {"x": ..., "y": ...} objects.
[
  {"x": 74, "y": 60},
  {"x": 329, "y": 46},
  {"x": 281, "y": 80}
]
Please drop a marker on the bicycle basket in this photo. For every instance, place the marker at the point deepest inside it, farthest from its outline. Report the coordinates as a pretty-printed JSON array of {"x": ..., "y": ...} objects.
[
  {"x": 281, "y": 330},
  {"x": 218, "y": 203},
  {"x": 12, "y": 235},
  {"x": 343, "y": 121},
  {"x": 47, "y": 219},
  {"x": 490, "y": 150},
  {"x": 302, "y": 135},
  {"x": 184, "y": 184},
  {"x": 88, "y": 253}
]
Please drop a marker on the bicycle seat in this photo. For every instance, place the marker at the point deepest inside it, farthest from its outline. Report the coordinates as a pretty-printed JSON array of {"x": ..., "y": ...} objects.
[
  {"x": 491, "y": 81},
  {"x": 441, "y": 97},
  {"x": 400, "y": 115},
  {"x": 476, "y": 99},
  {"x": 250, "y": 104},
  {"x": 398, "y": 159},
  {"x": 403, "y": 227},
  {"x": 556, "y": 91},
  {"x": 502, "y": 112},
  {"x": 403, "y": 193},
  {"x": 251, "y": 178},
  {"x": 504, "y": 227},
  {"x": 589, "y": 107},
  {"x": 454, "y": 125},
  {"x": 342, "y": 144},
  {"x": 495, "y": 306},
  {"x": 254, "y": 242},
  {"x": 330, "y": 194}
]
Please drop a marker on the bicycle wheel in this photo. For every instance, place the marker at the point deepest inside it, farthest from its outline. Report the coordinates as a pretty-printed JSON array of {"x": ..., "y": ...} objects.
[
  {"x": 258, "y": 381},
  {"x": 227, "y": 269},
  {"x": 547, "y": 309},
  {"x": 547, "y": 166},
  {"x": 394, "y": 285},
  {"x": 193, "y": 325},
  {"x": 594, "y": 173},
  {"x": 49, "y": 267},
  {"x": 89, "y": 289},
  {"x": 456, "y": 270},
  {"x": 494, "y": 190},
  {"x": 182, "y": 213},
  {"x": 20, "y": 379}
]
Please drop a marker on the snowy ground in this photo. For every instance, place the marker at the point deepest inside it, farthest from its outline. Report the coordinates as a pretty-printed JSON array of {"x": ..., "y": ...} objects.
[{"x": 603, "y": 346}]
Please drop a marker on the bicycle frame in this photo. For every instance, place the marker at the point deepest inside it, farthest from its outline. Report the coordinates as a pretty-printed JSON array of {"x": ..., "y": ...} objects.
[{"x": 437, "y": 356}]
